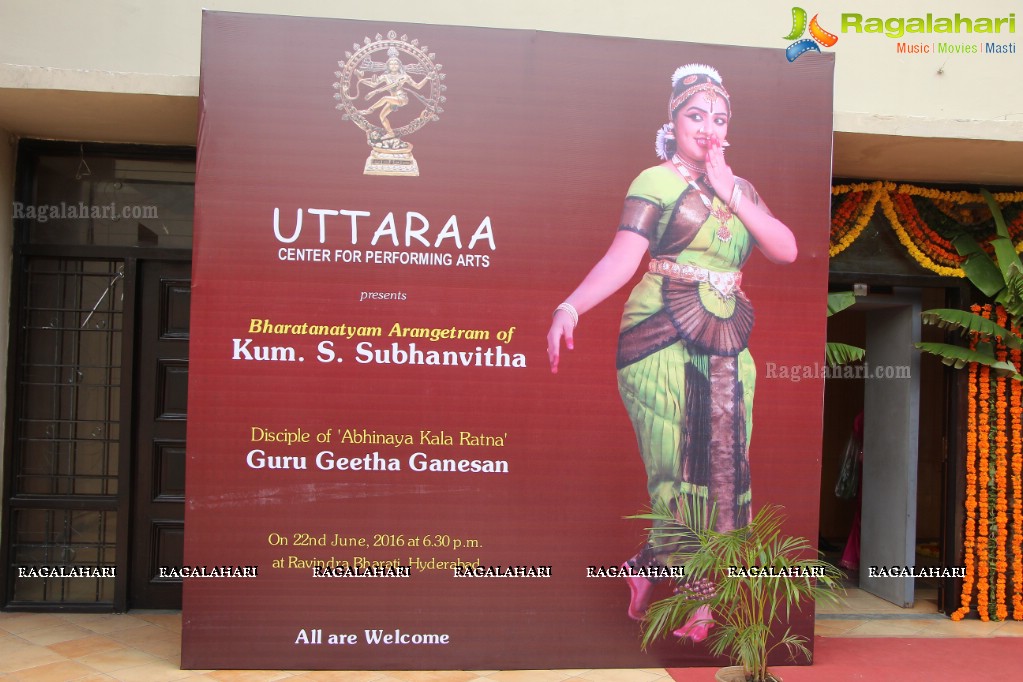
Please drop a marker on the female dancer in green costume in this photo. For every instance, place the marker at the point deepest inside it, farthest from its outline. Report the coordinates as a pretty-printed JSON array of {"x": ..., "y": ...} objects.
[{"x": 685, "y": 373}]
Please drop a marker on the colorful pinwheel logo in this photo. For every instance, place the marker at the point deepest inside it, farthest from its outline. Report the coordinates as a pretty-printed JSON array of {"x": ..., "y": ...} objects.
[{"x": 818, "y": 36}]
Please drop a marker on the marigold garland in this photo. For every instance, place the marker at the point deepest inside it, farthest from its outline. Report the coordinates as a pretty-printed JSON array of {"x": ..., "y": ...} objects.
[
  {"x": 970, "y": 530},
  {"x": 1016, "y": 230},
  {"x": 983, "y": 479},
  {"x": 907, "y": 240},
  {"x": 940, "y": 249},
  {"x": 859, "y": 204},
  {"x": 1001, "y": 520},
  {"x": 1016, "y": 414},
  {"x": 993, "y": 528},
  {"x": 925, "y": 245}
]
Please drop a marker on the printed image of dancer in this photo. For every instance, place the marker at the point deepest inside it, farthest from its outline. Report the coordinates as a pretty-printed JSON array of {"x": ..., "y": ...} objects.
[{"x": 685, "y": 373}]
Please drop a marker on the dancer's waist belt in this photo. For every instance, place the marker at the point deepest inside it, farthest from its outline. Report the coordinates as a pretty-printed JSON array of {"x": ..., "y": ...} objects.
[
  {"x": 723, "y": 329},
  {"x": 724, "y": 282}
]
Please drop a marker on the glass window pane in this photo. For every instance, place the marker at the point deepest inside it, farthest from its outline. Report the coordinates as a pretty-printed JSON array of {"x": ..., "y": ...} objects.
[{"x": 99, "y": 200}]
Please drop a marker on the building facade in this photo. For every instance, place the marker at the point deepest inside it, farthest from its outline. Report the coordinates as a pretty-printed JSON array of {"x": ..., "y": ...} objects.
[{"x": 98, "y": 105}]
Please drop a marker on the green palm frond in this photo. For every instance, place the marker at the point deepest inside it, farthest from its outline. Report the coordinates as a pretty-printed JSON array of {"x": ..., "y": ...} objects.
[{"x": 745, "y": 609}]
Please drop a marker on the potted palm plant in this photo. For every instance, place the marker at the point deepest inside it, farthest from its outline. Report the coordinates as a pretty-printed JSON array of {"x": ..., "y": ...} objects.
[{"x": 759, "y": 577}]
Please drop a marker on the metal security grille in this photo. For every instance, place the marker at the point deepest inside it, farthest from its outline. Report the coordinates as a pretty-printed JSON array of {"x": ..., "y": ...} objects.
[
  {"x": 51, "y": 542},
  {"x": 92, "y": 470},
  {"x": 67, "y": 430}
]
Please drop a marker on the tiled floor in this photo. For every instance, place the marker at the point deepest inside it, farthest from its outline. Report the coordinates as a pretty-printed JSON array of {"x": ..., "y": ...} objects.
[
  {"x": 864, "y": 615},
  {"x": 143, "y": 646}
]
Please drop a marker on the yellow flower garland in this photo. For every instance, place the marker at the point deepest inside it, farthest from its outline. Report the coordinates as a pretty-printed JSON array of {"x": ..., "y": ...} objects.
[{"x": 919, "y": 256}]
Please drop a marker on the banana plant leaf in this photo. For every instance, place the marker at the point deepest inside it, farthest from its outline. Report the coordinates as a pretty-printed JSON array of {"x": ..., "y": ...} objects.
[
  {"x": 1005, "y": 253},
  {"x": 839, "y": 301},
  {"x": 979, "y": 267},
  {"x": 1012, "y": 297},
  {"x": 836, "y": 354},
  {"x": 1001, "y": 279},
  {"x": 970, "y": 323},
  {"x": 959, "y": 357}
]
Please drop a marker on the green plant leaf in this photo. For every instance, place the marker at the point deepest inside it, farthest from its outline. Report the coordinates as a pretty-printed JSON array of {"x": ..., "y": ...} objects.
[
  {"x": 996, "y": 212},
  {"x": 839, "y": 301},
  {"x": 1012, "y": 297},
  {"x": 745, "y": 609},
  {"x": 978, "y": 266},
  {"x": 1005, "y": 254},
  {"x": 959, "y": 357},
  {"x": 836, "y": 354},
  {"x": 970, "y": 323}
]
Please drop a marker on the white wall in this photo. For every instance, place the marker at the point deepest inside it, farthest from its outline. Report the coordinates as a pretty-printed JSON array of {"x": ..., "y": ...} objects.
[{"x": 877, "y": 90}]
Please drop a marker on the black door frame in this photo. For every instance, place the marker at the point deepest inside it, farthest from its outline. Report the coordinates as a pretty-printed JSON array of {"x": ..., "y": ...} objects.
[{"x": 29, "y": 152}]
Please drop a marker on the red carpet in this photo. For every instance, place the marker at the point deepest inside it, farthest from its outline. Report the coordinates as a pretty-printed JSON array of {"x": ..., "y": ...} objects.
[{"x": 898, "y": 660}]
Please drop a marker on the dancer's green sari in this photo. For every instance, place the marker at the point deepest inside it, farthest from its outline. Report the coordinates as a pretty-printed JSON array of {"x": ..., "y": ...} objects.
[{"x": 684, "y": 371}]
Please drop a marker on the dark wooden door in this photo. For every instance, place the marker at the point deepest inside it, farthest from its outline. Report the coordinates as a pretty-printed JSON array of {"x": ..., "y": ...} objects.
[{"x": 161, "y": 387}]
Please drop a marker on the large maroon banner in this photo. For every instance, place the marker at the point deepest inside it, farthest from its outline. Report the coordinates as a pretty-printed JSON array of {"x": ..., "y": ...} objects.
[{"x": 387, "y": 216}]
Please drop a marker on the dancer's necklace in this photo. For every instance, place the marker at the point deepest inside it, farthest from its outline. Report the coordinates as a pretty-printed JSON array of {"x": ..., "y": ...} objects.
[{"x": 721, "y": 212}]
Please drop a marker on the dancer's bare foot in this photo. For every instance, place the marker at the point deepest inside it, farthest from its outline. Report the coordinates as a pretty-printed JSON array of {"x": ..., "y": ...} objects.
[
  {"x": 640, "y": 590},
  {"x": 698, "y": 626}
]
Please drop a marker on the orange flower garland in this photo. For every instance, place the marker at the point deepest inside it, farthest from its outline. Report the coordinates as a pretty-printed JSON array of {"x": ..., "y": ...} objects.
[
  {"x": 1001, "y": 461},
  {"x": 907, "y": 240},
  {"x": 860, "y": 204},
  {"x": 1016, "y": 414},
  {"x": 983, "y": 479},
  {"x": 1016, "y": 230},
  {"x": 970, "y": 531},
  {"x": 938, "y": 248},
  {"x": 993, "y": 528},
  {"x": 842, "y": 221}
]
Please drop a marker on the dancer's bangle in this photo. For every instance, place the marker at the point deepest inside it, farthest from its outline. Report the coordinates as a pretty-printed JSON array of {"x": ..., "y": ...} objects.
[{"x": 572, "y": 312}]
